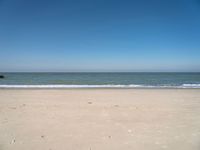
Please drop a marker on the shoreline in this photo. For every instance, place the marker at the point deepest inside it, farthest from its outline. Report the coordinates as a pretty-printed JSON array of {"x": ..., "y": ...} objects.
[{"x": 98, "y": 88}]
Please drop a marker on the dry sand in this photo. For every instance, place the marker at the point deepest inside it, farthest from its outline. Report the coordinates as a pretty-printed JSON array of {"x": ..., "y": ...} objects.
[{"x": 100, "y": 119}]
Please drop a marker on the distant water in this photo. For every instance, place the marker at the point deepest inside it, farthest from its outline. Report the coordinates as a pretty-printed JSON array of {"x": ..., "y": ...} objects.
[{"x": 100, "y": 80}]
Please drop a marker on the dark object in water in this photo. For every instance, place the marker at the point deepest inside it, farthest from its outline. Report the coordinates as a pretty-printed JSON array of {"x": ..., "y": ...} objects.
[{"x": 1, "y": 76}]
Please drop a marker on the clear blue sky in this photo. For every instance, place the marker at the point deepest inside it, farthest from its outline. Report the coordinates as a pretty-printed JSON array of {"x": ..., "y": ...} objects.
[{"x": 99, "y": 35}]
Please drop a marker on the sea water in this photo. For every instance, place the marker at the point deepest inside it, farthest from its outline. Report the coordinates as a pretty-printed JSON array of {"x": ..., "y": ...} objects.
[{"x": 100, "y": 80}]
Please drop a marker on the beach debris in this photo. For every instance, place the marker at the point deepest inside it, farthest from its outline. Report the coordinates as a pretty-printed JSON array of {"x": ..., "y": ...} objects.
[
  {"x": 116, "y": 105},
  {"x": 1, "y": 76},
  {"x": 13, "y": 141},
  {"x": 89, "y": 102},
  {"x": 109, "y": 136},
  {"x": 42, "y": 136}
]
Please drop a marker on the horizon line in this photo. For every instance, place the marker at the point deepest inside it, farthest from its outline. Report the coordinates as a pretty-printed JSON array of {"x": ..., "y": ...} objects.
[{"x": 101, "y": 72}]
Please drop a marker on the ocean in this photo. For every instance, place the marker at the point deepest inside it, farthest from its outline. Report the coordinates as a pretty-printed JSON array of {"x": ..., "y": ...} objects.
[{"x": 100, "y": 80}]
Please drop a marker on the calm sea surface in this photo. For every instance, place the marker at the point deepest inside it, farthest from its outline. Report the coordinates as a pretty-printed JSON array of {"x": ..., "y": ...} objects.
[{"x": 92, "y": 80}]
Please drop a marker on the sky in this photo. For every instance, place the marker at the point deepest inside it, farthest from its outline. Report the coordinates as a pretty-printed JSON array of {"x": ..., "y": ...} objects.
[{"x": 99, "y": 35}]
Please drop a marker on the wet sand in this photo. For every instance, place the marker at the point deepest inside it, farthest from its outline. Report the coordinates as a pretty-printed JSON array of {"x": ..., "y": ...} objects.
[{"x": 100, "y": 119}]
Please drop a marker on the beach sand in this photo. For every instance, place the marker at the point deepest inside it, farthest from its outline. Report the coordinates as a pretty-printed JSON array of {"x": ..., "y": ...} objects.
[{"x": 100, "y": 119}]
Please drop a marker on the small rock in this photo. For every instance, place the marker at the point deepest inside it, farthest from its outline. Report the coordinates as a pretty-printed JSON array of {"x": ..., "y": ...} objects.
[
  {"x": 89, "y": 102},
  {"x": 1, "y": 76},
  {"x": 12, "y": 142}
]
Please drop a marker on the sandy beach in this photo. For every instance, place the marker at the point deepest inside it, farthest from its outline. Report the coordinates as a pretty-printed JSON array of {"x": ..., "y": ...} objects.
[{"x": 100, "y": 119}]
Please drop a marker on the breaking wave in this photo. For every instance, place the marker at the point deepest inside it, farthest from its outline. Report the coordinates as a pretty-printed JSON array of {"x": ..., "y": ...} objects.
[{"x": 102, "y": 86}]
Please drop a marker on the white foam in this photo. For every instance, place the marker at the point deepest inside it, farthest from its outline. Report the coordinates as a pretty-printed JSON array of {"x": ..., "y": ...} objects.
[
  {"x": 101, "y": 86},
  {"x": 191, "y": 85},
  {"x": 70, "y": 86}
]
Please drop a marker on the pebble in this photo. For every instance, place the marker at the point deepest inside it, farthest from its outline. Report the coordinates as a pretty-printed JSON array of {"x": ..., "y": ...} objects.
[{"x": 12, "y": 142}]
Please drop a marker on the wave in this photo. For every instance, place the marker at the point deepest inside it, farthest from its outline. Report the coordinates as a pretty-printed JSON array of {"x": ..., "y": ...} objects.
[
  {"x": 102, "y": 86},
  {"x": 191, "y": 85}
]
